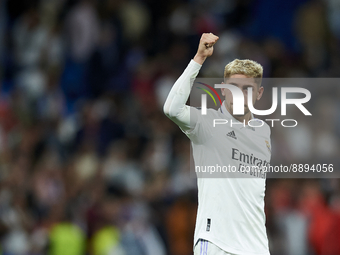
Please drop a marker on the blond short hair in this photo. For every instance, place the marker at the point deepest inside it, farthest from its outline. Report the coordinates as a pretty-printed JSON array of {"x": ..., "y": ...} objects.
[{"x": 247, "y": 67}]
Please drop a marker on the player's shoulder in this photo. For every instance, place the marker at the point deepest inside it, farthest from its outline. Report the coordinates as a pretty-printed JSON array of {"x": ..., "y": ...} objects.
[
  {"x": 208, "y": 109},
  {"x": 210, "y": 112}
]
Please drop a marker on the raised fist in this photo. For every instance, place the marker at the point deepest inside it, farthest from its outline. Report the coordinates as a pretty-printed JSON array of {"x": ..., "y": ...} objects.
[{"x": 205, "y": 47}]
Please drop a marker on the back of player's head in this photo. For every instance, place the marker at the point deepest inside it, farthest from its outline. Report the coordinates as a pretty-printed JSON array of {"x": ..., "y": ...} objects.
[{"x": 247, "y": 67}]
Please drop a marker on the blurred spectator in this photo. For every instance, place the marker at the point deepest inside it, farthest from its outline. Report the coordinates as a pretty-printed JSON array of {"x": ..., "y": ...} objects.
[
  {"x": 65, "y": 237},
  {"x": 82, "y": 30},
  {"x": 333, "y": 9},
  {"x": 313, "y": 32}
]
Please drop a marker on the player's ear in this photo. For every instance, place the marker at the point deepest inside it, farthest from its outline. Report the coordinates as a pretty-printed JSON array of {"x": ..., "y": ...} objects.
[
  {"x": 223, "y": 90},
  {"x": 260, "y": 93}
]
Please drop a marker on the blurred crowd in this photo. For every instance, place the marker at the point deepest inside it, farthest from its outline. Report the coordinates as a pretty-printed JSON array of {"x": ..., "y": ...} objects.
[{"x": 89, "y": 164}]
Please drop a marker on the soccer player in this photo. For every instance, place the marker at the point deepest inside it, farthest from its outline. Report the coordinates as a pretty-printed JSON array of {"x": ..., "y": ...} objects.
[{"x": 230, "y": 217}]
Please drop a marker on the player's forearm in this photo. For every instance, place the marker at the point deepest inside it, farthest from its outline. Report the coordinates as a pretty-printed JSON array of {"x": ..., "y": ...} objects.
[
  {"x": 199, "y": 59},
  {"x": 175, "y": 107}
]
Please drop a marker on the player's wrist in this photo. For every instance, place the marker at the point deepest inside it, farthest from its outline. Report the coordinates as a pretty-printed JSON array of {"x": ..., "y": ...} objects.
[{"x": 199, "y": 59}]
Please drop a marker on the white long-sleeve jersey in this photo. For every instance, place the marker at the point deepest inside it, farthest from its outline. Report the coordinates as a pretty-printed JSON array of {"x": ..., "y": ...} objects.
[{"x": 230, "y": 210}]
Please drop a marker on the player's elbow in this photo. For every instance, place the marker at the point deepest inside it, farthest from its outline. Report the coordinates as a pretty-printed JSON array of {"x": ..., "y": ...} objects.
[{"x": 168, "y": 111}]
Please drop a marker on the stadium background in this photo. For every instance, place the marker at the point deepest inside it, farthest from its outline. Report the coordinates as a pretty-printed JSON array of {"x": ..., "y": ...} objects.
[{"x": 89, "y": 164}]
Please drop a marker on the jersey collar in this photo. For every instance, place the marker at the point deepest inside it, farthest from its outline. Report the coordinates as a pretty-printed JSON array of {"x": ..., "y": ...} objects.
[{"x": 224, "y": 110}]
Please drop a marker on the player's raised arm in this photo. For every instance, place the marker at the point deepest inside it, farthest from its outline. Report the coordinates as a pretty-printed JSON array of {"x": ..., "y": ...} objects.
[{"x": 174, "y": 106}]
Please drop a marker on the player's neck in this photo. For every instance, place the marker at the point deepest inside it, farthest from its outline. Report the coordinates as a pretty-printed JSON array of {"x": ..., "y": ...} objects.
[{"x": 243, "y": 118}]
